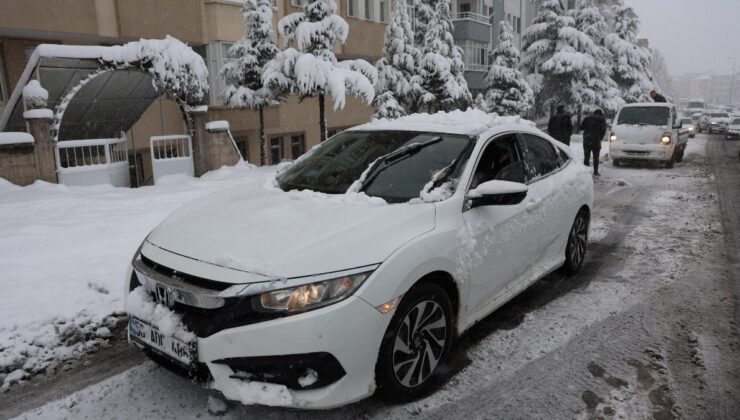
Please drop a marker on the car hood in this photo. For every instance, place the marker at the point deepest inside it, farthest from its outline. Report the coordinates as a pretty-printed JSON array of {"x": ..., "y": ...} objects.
[
  {"x": 293, "y": 234},
  {"x": 640, "y": 134}
]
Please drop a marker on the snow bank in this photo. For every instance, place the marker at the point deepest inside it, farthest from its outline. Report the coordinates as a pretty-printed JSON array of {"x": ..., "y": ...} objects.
[
  {"x": 64, "y": 252},
  {"x": 11, "y": 137}
]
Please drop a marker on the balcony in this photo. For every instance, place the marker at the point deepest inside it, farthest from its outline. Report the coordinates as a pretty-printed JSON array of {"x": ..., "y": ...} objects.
[{"x": 475, "y": 17}]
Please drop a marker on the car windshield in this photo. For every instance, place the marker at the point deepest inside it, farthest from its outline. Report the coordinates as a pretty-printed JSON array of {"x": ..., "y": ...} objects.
[
  {"x": 720, "y": 115},
  {"x": 404, "y": 162},
  {"x": 644, "y": 115},
  {"x": 686, "y": 120}
]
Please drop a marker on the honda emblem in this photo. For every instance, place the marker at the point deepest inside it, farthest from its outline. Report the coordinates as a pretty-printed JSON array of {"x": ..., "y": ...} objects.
[{"x": 164, "y": 295}]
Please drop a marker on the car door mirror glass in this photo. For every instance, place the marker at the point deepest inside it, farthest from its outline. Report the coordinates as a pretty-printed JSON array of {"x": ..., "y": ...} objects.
[{"x": 497, "y": 193}]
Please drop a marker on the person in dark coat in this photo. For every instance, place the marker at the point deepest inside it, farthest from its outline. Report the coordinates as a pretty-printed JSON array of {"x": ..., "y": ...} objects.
[
  {"x": 560, "y": 125},
  {"x": 657, "y": 97},
  {"x": 594, "y": 129}
]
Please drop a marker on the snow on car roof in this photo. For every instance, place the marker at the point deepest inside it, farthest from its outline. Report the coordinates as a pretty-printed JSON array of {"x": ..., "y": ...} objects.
[
  {"x": 653, "y": 104},
  {"x": 472, "y": 122}
]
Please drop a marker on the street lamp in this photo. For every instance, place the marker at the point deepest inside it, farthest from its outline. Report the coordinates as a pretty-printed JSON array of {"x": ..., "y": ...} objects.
[{"x": 732, "y": 85}]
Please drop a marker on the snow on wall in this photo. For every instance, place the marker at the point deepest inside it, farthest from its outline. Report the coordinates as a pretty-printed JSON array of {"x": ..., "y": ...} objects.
[
  {"x": 220, "y": 125},
  {"x": 15, "y": 138}
]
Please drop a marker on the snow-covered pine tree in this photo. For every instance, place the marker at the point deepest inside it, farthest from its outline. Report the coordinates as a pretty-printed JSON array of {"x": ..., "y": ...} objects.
[
  {"x": 555, "y": 57},
  {"x": 442, "y": 68},
  {"x": 508, "y": 92},
  {"x": 311, "y": 69},
  {"x": 424, "y": 11},
  {"x": 600, "y": 91},
  {"x": 243, "y": 75},
  {"x": 630, "y": 62},
  {"x": 397, "y": 81}
]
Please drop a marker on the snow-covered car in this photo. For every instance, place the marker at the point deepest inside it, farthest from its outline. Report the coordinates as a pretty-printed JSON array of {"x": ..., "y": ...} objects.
[
  {"x": 355, "y": 268},
  {"x": 688, "y": 123},
  {"x": 648, "y": 131},
  {"x": 733, "y": 129},
  {"x": 718, "y": 121}
]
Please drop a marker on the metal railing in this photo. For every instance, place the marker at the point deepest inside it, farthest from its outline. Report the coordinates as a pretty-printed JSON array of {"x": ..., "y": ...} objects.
[
  {"x": 94, "y": 161},
  {"x": 472, "y": 16}
]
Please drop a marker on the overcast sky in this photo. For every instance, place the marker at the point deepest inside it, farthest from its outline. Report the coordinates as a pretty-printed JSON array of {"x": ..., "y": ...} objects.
[{"x": 693, "y": 35}]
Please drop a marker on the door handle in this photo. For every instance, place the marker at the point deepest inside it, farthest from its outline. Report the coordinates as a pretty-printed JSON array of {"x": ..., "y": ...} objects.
[{"x": 532, "y": 204}]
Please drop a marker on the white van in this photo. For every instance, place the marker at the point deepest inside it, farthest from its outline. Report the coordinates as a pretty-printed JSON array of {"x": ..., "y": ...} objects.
[{"x": 648, "y": 131}]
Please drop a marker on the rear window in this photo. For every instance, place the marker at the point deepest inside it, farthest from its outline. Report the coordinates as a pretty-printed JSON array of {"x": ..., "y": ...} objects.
[{"x": 644, "y": 115}]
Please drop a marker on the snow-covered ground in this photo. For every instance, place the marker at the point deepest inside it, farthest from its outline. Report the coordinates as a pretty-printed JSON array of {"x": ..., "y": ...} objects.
[
  {"x": 64, "y": 252},
  {"x": 107, "y": 225}
]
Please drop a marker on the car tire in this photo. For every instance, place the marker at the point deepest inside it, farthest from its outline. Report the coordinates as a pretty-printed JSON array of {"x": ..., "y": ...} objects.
[
  {"x": 679, "y": 157},
  {"x": 407, "y": 346},
  {"x": 575, "y": 250},
  {"x": 616, "y": 162}
]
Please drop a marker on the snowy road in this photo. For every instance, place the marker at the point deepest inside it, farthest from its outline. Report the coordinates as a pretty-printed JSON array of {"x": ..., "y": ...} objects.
[{"x": 647, "y": 329}]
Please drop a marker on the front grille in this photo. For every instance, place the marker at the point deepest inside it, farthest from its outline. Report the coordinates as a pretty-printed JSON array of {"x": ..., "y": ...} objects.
[
  {"x": 187, "y": 278},
  {"x": 237, "y": 312}
]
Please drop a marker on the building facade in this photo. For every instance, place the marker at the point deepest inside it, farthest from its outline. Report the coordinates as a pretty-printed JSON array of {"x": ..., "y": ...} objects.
[{"x": 210, "y": 27}]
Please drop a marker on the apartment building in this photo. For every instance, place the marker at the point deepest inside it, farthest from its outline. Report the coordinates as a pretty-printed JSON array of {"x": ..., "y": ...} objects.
[{"x": 210, "y": 27}]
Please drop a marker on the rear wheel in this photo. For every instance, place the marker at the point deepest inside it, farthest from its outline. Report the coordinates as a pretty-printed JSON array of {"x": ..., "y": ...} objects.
[
  {"x": 415, "y": 344},
  {"x": 575, "y": 251},
  {"x": 616, "y": 162}
]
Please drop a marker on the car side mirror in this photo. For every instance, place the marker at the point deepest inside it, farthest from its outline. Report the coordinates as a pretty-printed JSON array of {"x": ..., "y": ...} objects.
[
  {"x": 678, "y": 124},
  {"x": 497, "y": 193}
]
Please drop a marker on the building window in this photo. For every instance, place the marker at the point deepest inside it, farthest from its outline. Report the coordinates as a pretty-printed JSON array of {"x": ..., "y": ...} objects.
[
  {"x": 297, "y": 145},
  {"x": 351, "y": 8},
  {"x": 297, "y": 3},
  {"x": 475, "y": 55},
  {"x": 218, "y": 55},
  {"x": 382, "y": 10},
  {"x": 3, "y": 92},
  {"x": 276, "y": 150},
  {"x": 375, "y": 10}
]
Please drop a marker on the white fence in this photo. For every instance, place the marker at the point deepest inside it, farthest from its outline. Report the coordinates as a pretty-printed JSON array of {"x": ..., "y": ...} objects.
[
  {"x": 171, "y": 155},
  {"x": 93, "y": 162},
  {"x": 473, "y": 16}
]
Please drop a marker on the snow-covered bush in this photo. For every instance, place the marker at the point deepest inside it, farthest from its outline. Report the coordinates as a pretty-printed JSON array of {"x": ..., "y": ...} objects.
[
  {"x": 630, "y": 62},
  {"x": 556, "y": 56},
  {"x": 398, "y": 86},
  {"x": 35, "y": 96},
  {"x": 243, "y": 75},
  {"x": 442, "y": 68},
  {"x": 311, "y": 69},
  {"x": 508, "y": 92}
]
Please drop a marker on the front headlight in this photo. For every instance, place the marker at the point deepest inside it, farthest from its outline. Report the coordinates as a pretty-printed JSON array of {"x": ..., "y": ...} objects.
[
  {"x": 666, "y": 138},
  {"x": 613, "y": 137},
  {"x": 310, "y": 296},
  {"x": 691, "y": 128}
]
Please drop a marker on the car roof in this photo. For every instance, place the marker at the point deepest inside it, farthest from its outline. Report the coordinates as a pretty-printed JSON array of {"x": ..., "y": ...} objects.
[
  {"x": 649, "y": 104},
  {"x": 471, "y": 123}
]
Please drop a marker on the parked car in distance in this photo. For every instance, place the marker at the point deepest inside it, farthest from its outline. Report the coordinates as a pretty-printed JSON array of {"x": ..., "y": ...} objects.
[
  {"x": 688, "y": 123},
  {"x": 356, "y": 267},
  {"x": 648, "y": 131},
  {"x": 733, "y": 129}
]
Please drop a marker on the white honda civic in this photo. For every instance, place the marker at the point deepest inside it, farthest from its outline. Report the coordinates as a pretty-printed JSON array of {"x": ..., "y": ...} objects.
[{"x": 357, "y": 266}]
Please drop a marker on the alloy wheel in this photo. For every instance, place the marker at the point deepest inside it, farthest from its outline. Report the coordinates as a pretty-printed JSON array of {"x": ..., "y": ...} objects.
[
  {"x": 419, "y": 343},
  {"x": 577, "y": 241}
]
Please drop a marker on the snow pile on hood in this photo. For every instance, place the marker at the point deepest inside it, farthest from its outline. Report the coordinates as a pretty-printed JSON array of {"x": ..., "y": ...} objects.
[
  {"x": 141, "y": 305},
  {"x": 472, "y": 121}
]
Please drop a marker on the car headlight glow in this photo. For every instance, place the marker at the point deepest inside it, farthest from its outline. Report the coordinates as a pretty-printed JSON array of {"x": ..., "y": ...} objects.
[
  {"x": 310, "y": 296},
  {"x": 691, "y": 128},
  {"x": 665, "y": 140},
  {"x": 613, "y": 137}
]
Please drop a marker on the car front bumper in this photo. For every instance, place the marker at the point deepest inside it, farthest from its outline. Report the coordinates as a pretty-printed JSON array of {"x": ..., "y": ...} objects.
[{"x": 654, "y": 152}]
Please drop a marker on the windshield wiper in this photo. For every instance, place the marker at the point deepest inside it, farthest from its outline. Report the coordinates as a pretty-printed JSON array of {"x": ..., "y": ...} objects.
[{"x": 398, "y": 155}]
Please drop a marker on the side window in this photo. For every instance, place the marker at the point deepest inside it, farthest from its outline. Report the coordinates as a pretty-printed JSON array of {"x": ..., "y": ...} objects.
[
  {"x": 501, "y": 160},
  {"x": 276, "y": 150},
  {"x": 541, "y": 157}
]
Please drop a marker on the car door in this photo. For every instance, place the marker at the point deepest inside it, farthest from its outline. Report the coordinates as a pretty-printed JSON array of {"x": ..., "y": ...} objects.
[
  {"x": 547, "y": 201},
  {"x": 504, "y": 238}
]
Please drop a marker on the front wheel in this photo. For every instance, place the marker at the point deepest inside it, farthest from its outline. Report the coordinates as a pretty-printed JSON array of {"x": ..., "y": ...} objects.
[
  {"x": 575, "y": 251},
  {"x": 415, "y": 344},
  {"x": 679, "y": 157},
  {"x": 616, "y": 162}
]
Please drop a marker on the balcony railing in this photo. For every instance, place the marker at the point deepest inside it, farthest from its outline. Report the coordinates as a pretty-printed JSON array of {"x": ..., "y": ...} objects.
[
  {"x": 473, "y": 16},
  {"x": 476, "y": 67}
]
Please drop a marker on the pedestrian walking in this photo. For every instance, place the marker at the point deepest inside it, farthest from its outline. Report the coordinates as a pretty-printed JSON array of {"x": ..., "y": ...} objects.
[
  {"x": 594, "y": 129},
  {"x": 657, "y": 97},
  {"x": 560, "y": 125}
]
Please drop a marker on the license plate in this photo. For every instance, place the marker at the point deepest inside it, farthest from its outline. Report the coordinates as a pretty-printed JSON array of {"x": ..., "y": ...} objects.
[{"x": 143, "y": 333}]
